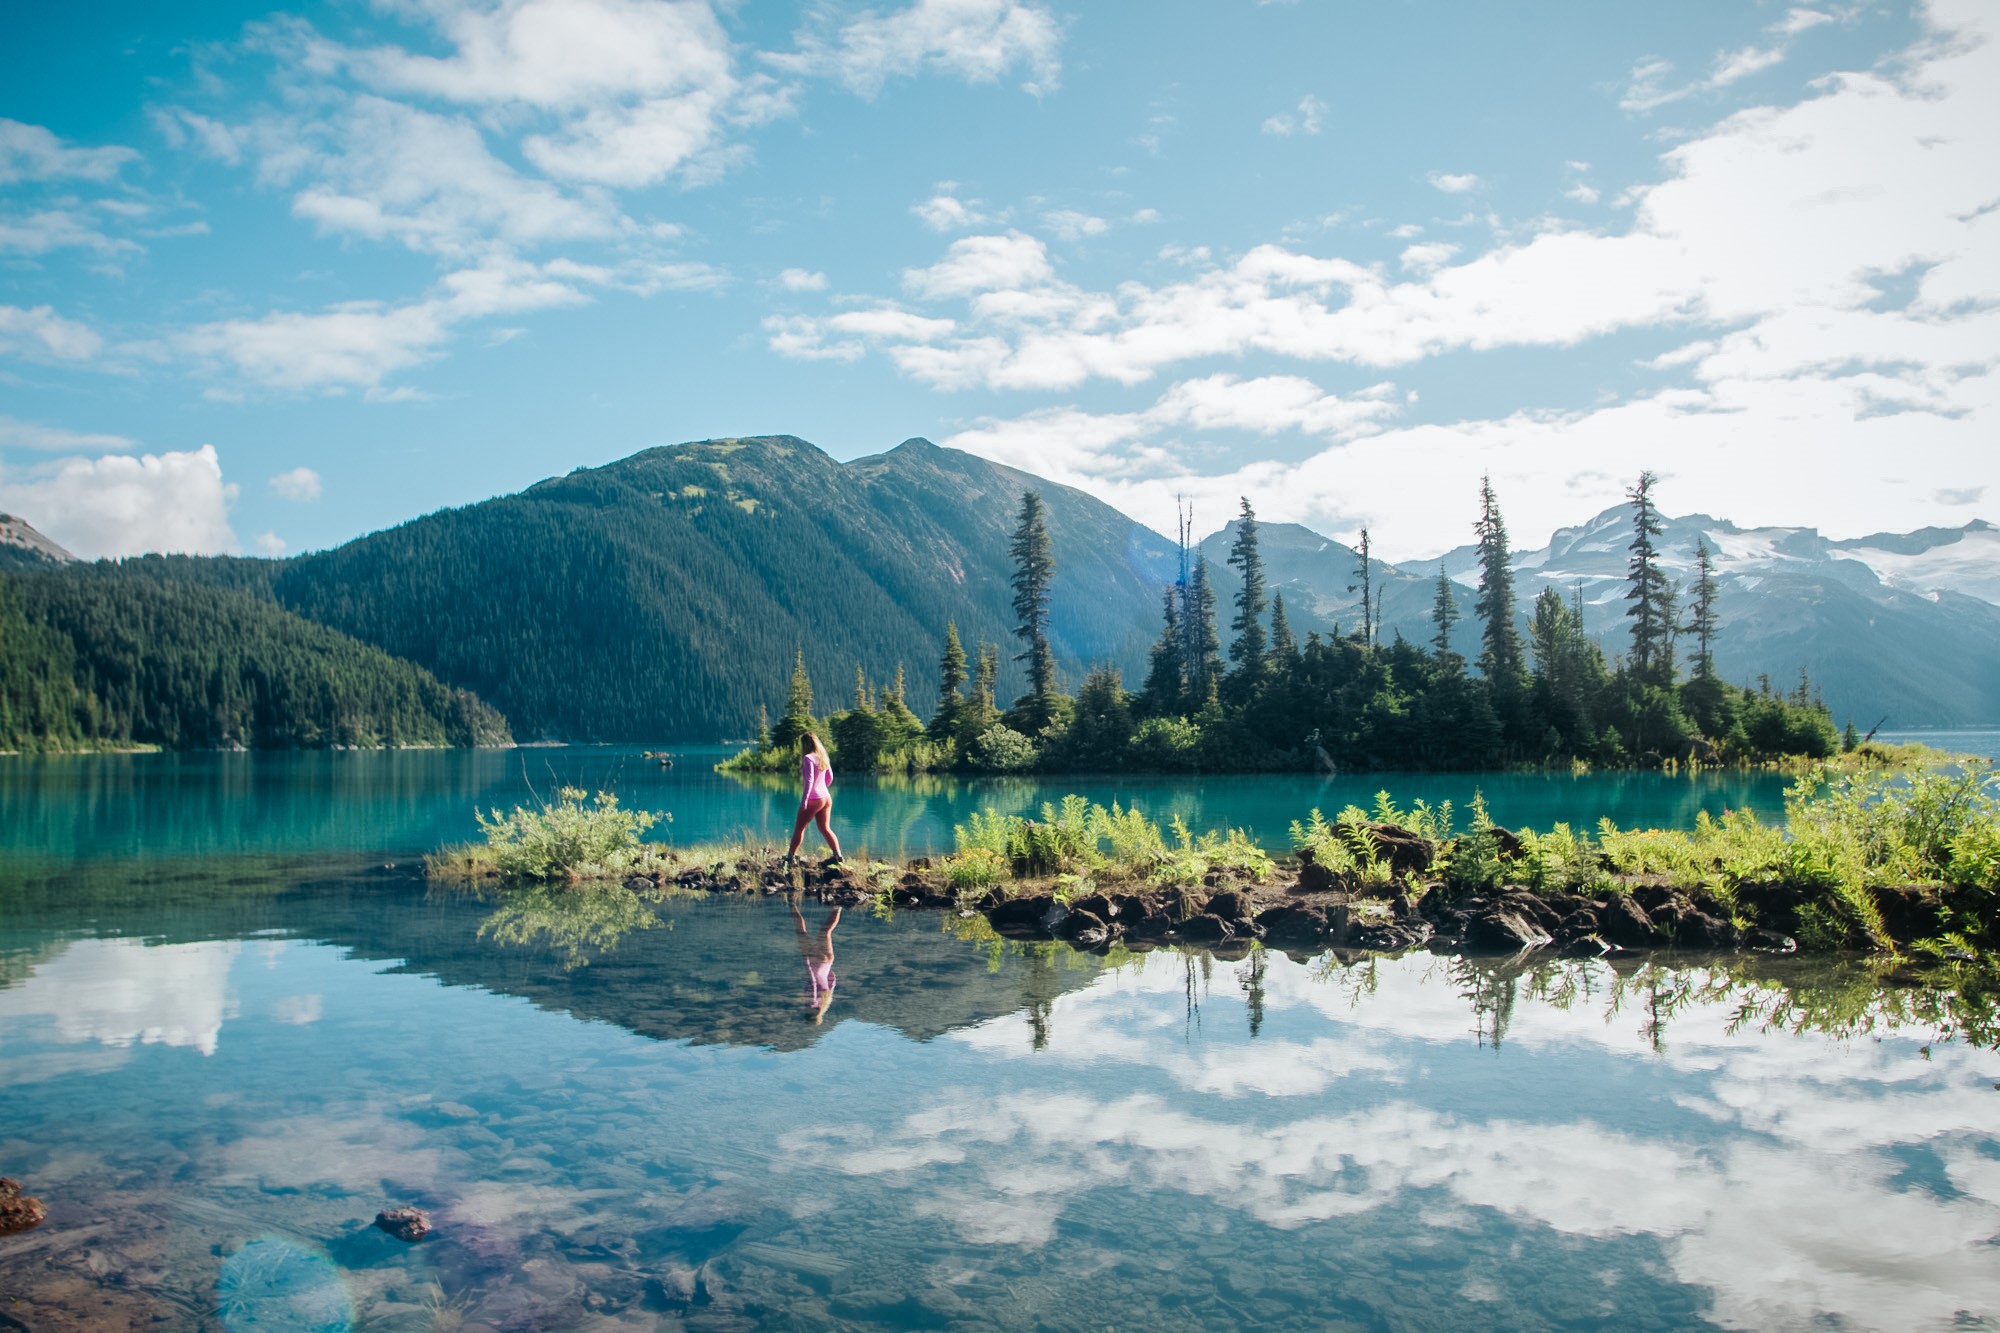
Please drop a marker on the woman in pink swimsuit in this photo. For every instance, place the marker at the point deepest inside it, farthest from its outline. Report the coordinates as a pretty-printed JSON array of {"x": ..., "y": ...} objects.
[{"x": 816, "y": 801}]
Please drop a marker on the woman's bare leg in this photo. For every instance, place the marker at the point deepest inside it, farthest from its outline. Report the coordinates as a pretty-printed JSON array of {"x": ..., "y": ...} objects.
[
  {"x": 799, "y": 831},
  {"x": 821, "y": 817}
]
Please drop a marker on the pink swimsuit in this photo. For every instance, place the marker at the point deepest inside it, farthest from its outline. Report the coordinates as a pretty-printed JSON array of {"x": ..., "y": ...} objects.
[{"x": 818, "y": 778}]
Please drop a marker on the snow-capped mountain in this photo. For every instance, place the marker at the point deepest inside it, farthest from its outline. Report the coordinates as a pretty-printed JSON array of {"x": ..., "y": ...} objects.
[{"x": 1902, "y": 626}]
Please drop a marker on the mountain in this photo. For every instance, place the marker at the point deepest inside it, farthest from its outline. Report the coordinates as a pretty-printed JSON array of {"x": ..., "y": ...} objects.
[
  {"x": 1902, "y": 627},
  {"x": 663, "y": 595},
  {"x": 1322, "y": 586},
  {"x": 105, "y": 654},
  {"x": 21, "y": 547}
]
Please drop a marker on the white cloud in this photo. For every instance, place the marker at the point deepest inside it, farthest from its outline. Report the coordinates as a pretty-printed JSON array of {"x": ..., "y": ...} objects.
[
  {"x": 979, "y": 41},
  {"x": 269, "y": 544},
  {"x": 1649, "y": 88},
  {"x": 300, "y": 485},
  {"x": 1071, "y": 225},
  {"x": 1427, "y": 257},
  {"x": 1582, "y": 193},
  {"x": 802, "y": 280},
  {"x": 945, "y": 211},
  {"x": 39, "y": 331},
  {"x": 55, "y": 439},
  {"x": 1309, "y": 117},
  {"x": 32, "y": 153},
  {"x": 121, "y": 505},
  {"x": 1454, "y": 183},
  {"x": 49, "y": 229},
  {"x": 979, "y": 264}
]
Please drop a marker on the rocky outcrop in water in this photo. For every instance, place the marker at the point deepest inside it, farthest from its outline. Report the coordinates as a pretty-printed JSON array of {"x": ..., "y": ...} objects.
[
  {"x": 18, "y": 1212},
  {"x": 407, "y": 1223}
]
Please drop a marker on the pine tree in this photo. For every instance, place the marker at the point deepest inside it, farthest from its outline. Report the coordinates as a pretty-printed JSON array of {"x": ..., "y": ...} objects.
[
  {"x": 1445, "y": 614},
  {"x": 1034, "y": 569},
  {"x": 1247, "y": 650},
  {"x": 1204, "y": 668},
  {"x": 1166, "y": 674},
  {"x": 1704, "y": 621},
  {"x": 1501, "y": 658},
  {"x": 1647, "y": 590},
  {"x": 1284, "y": 643},
  {"x": 798, "y": 718},
  {"x": 951, "y": 681}
]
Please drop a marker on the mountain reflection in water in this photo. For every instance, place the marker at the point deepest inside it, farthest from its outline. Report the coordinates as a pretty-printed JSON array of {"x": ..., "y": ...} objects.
[{"x": 618, "y": 1110}]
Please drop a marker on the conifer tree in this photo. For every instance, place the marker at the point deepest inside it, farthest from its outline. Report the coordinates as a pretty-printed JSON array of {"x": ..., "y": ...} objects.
[
  {"x": 1247, "y": 650},
  {"x": 1166, "y": 674},
  {"x": 1284, "y": 643},
  {"x": 951, "y": 683},
  {"x": 1501, "y": 658},
  {"x": 1647, "y": 590},
  {"x": 798, "y": 718},
  {"x": 1034, "y": 569},
  {"x": 1445, "y": 614},
  {"x": 1704, "y": 621},
  {"x": 1204, "y": 661}
]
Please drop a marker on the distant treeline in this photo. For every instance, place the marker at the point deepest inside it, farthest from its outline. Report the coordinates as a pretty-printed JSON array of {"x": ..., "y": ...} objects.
[
  {"x": 106, "y": 655},
  {"x": 1345, "y": 699}
]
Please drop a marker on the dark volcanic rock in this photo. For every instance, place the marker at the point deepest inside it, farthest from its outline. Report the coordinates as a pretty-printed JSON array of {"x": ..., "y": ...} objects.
[
  {"x": 1080, "y": 923},
  {"x": 1625, "y": 922},
  {"x": 1314, "y": 877},
  {"x": 1911, "y": 912},
  {"x": 1502, "y": 929},
  {"x": 1406, "y": 852},
  {"x": 1151, "y": 926},
  {"x": 1577, "y": 925},
  {"x": 410, "y": 1224},
  {"x": 1772, "y": 903},
  {"x": 1028, "y": 914},
  {"x": 1294, "y": 924},
  {"x": 1099, "y": 906},
  {"x": 1230, "y": 907},
  {"x": 1388, "y": 936},
  {"x": 19, "y": 1212},
  {"x": 1699, "y": 930},
  {"x": 1204, "y": 929}
]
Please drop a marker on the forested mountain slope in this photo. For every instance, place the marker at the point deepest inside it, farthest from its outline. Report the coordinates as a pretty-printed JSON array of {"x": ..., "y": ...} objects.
[
  {"x": 664, "y": 595},
  {"x": 107, "y": 655}
]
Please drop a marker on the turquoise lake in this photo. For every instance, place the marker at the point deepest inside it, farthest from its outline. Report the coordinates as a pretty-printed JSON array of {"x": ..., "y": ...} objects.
[{"x": 235, "y": 1024}]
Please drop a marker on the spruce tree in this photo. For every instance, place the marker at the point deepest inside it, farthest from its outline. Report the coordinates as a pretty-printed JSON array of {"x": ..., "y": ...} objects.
[
  {"x": 1204, "y": 666},
  {"x": 798, "y": 718},
  {"x": 1284, "y": 643},
  {"x": 1445, "y": 614},
  {"x": 1647, "y": 589},
  {"x": 1704, "y": 621},
  {"x": 1166, "y": 674},
  {"x": 1247, "y": 650},
  {"x": 951, "y": 681},
  {"x": 1501, "y": 658},
  {"x": 1034, "y": 570}
]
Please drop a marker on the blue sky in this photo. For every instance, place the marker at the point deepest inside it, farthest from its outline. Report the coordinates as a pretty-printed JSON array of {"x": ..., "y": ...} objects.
[{"x": 270, "y": 279}]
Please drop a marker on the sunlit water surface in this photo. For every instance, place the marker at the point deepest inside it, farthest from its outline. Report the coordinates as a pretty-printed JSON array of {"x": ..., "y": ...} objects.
[{"x": 621, "y": 1115}]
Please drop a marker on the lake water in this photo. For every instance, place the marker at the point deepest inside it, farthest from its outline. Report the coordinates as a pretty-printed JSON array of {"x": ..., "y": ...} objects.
[
  {"x": 235, "y": 1024},
  {"x": 621, "y": 1115},
  {"x": 401, "y": 804}
]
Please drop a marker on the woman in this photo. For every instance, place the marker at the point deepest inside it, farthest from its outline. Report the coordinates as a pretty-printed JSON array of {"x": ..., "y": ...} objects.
[{"x": 816, "y": 801}]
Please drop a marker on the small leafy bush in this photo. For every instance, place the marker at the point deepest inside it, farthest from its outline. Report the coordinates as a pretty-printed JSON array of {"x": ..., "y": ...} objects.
[
  {"x": 974, "y": 870},
  {"x": 572, "y": 838}
]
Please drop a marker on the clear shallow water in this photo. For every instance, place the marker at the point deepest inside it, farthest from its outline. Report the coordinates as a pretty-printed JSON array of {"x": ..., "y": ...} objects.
[
  {"x": 69, "y": 809},
  {"x": 622, "y": 1116}
]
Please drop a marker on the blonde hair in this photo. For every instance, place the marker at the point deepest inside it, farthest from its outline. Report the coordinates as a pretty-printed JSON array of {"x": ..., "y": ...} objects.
[{"x": 817, "y": 748}]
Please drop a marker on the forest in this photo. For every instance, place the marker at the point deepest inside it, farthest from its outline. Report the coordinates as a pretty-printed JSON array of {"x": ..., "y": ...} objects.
[
  {"x": 1477, "y": 696},
  {"x": 106, "y": 656}
]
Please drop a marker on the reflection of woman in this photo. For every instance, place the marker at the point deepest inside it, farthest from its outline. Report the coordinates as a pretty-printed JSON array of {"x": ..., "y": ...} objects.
[
  {"x": 818, "y": 954},
  {"x": 815, "y": 800}
]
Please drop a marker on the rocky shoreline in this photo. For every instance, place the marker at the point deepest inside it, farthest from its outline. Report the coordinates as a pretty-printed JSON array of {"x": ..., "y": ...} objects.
[{"x": 1304, "y": 907}]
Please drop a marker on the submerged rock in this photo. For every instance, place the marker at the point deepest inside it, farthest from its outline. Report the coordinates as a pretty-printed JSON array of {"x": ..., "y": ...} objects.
[
  {"x": 18, "y": 1212},
  {"x": 406, "y": 1223}
]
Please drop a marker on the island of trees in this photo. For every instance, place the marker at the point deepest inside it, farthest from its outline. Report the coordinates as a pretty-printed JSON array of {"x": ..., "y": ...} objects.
[{"x": 1474, "y": 697}]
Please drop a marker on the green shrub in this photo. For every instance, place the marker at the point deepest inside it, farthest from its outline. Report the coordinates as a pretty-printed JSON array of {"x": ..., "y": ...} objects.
[
  {"x": 1001, "y": 749},
  {"x": 974, "y": 870},
  {"x": 574, "y": 837}
]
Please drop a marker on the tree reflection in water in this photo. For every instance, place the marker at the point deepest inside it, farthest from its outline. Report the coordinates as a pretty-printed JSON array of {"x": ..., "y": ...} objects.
[{"x": 577, "y": 922}]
